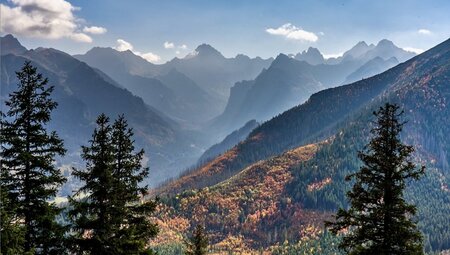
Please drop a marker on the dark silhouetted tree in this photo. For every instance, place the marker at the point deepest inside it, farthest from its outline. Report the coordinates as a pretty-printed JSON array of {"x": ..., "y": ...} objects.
[
  {"x": 132, "y": 212},
  {"x": 198, "y": 243},
  {"x": 379, "y": 219},
  {"x": 29, "y": 176},
  {"x": 108, "y": 214}
]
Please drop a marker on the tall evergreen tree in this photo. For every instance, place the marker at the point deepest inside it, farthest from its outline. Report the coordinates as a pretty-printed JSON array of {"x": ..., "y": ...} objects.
[
  {"x": 90, "y": 211},
  {"x": 198, "y": 243},
  {"x": 133, "y": 225},
  {"x": 108, "y": 217},
  {"x": 29, "y": 177},
  {"x": 379, "y": 219}
]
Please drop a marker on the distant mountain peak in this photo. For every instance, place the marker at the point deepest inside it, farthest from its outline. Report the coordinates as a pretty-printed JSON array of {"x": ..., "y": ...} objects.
[
  {"x": 312, "y": 56},
  {"x": 361, "y": 44},
  {"x": 281, "y": 58},
  {"x": 242, "y": 56},
  {"x": 10, "y": 44},
  {"x": 207, "y": 50},
  {"x": 312, "y": 49},
  {"x": 385, "y": 42},
  {"x": 358, "y": 50}
]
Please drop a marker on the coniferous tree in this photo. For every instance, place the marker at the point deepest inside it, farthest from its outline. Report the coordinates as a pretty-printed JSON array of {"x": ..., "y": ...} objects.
[
  {"x": 133, "y": 226},
  {"x": 198, "y": 243},
  {"x": 90, "y": 212},
  {"x": 108, "y": 216},
  {"x": 29, "y": 177},
  {"x": 379, "y": 219}
]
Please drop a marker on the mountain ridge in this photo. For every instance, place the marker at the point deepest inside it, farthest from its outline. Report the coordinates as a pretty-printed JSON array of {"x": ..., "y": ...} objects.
[
  {"x": 289, "y": 82},
  {"x": 337, "y": 119}
]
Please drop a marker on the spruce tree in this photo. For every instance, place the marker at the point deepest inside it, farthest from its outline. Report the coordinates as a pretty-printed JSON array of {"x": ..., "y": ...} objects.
[
  {"x": 131, "y": 211},
  {"x": 90, "y": 210},
  {"x": 198, "y": 243},
  {"x": 379, "y": 219},
  {"x": 29, "y": 177},
  {"x": 108, "y": 216}
]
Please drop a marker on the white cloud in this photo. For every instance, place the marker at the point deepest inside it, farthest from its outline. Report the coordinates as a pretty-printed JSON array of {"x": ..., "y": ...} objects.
[
  {"x": 123, "y": 45},
  {"x": 150, "y": 57},
  {"x": 48, "y": 19},
  {"x": 177, "y": 52},
  {"x": 414, "y": 50},
  {"x": 169, "y": 45},
  {"x": 424, "y": 31},
  {"x": 292, "y": 32},
  {"x": 327, "y": 56},
  {"x": 95, "y": 30},
  {"x": 80, "y": 37}
]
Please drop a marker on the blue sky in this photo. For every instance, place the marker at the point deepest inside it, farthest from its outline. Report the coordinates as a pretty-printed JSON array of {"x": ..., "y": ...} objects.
[{"x": 255, "y": 28}]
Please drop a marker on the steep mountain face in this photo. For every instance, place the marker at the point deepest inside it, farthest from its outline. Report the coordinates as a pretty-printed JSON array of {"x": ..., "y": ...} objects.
[
  {"x": 341, "y": 116},
  {"x": 230, "y": 140},
  {"x": 83, "y": 93},
  {"x": 283, "y": 85},
  {"x": 289, "y": 82},
  {"x": 10, "y": 45}
]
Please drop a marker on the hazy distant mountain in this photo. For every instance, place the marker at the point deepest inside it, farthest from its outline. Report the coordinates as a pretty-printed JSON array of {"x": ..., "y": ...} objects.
[
  {"x": 178, "y": 96},
  {"x": 312, "y": 56},
  {"x": 112, "y": 61},
  {"x": 194, "y": 103},
  {"x": 283, "y": 85},
  {"x": 82, "y": 93},
  {"x": 215, "y": 73},
  {"x": 358, "y": 50},
  {"x": 385, "y": 49},
  {"x": 372, "y": 67},
  {"x": 290, "y": 81},
  {"x": 202, "y": 78}
]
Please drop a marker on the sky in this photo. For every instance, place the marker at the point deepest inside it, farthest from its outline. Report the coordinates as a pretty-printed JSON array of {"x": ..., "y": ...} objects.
[{"x": 161, "y": 30}]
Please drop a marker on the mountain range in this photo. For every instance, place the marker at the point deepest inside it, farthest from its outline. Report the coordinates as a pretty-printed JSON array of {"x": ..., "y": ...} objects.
[
  {"x": 180, "y": 96},
  {"x": 287, "y": 176},
  {"x": 193, "y": 89},
  {"x": 291, "y": 80},
  {"x": 83, "y": 92}
]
